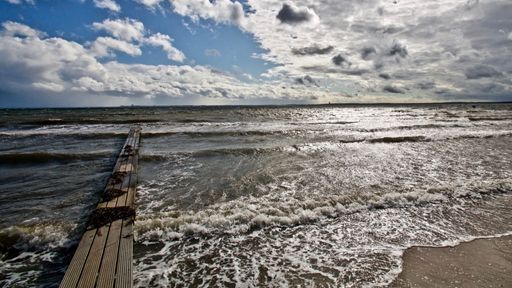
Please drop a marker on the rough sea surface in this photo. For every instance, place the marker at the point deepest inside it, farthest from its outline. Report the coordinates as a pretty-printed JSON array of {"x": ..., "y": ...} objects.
[{"x": 326, "y": 196}]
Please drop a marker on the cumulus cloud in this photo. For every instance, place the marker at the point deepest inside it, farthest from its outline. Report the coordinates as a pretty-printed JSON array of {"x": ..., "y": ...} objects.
[
  {"x": 20, "y": 1},
  {"x": 107, "y": 4},
  {"x": 408, "y": 42},
  {"x": 340, "y": 60},
  {"x": 130, "y": 34},
  {"x": 292, "y": 14},
  {"x": 220, "y": 11},
  {"x": 124, "y": 29},
  {"x": 35, "y": 65},
  {"x": 103, "y": 46},
  {"x": 44, "y": 64},
  {"x": 481, "y": 71},
  {"x": 313, "y": 50},
  {"x": 165, "y": 42},
  {"x": 17, "y": 29},
  {"x": 367, "y": 52},
  {"x": 151, "y": 4},
  {"x": 384, "y": 76},
  {"x": 393, "y": 89},
  {"x": 306, "y": 80}
]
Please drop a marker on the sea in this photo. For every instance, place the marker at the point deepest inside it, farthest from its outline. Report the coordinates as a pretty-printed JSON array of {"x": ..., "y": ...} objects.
[{"x": 261, "y": 196}]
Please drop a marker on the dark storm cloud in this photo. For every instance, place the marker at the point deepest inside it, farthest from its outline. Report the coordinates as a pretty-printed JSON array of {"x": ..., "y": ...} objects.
[
  {"x": 367, "y": 52},
  {"x": 295, "y": 15},
  {"x": 398, "y": 49},
  {"x": 393, "y": 89},
  {"x": 385, "y": 76},
  {"x": 340, "y": 60},
  {"x": 426, "y": 85},
  {"x": 481, "y": 71},
  {"x": 312, "y": 50},
  {"x": 306, "y": 80}
]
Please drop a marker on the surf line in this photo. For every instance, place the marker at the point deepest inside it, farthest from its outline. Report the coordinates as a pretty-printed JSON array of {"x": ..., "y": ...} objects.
[{"x": 104, "y": 255}]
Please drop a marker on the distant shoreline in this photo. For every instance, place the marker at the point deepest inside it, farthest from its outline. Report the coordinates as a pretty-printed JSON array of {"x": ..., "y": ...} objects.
[{"x": 355, "y": 104}]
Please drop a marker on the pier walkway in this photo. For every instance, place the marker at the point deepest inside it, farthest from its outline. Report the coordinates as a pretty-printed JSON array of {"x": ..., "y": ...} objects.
[{"x": 104, "y": 256}]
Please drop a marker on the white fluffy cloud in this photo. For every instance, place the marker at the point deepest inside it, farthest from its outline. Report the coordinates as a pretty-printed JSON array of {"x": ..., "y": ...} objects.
[
  {"x": 434, "y": 50},
  {"x": 124, "y": 29},
  {"x": 165, "y": 42},
  {"x": 35, "y": 65},
  {"x": 17, "y": 29},
  {"x": 369, "y": 47},
  {"x": 107, "y": 4},
  {"x": 103, "y": 46},
  {"x": 151, "y": 4},
  {"x": 130, "y": 34},
  {"x": 20, "y": 1},
  {"x": 221, "y": 11}
]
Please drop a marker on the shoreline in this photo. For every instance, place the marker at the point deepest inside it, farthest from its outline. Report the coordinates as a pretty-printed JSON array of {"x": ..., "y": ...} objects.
[{"x": 482, "y": 262}]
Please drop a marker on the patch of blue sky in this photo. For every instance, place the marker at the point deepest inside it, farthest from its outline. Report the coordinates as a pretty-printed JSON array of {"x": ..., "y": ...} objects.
[{"x": 72, "y": 21}]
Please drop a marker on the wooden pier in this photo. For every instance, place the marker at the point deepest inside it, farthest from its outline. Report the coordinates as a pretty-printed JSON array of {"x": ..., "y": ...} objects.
[{"x": 104, "y": 256}]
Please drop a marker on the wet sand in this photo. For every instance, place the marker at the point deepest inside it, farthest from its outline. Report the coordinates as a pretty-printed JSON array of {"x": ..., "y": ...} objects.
[{"x": 479, "y": 263}]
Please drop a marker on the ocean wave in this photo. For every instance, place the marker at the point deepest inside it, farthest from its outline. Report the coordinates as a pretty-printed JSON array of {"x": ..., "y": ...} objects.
[
  {"x": 44, "y": 157},
  {"x": 489, "y": 118},
  {"x": 34, "y": 237},
  {"x": 399, "y": 139},
  {"x": 206, "y": 134},
  {"x": 411, "y": 127},
  {"x": 313, "y": 147},
  {"x": 325, "y": 123},
  {"x": 64, "y": 134},
  {"x": 58, "y": 121},
  {"x": 251, "y": 213}
]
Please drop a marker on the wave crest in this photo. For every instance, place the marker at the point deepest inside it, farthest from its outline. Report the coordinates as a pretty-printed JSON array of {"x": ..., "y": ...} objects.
[{"x": 249, "y": 213}]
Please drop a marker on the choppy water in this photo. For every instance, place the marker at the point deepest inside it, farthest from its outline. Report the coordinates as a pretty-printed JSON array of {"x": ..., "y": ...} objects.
[{"x": 262, "y": 196}]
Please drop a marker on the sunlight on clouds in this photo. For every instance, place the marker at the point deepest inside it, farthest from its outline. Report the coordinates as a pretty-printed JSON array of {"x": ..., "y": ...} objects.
[
  {"x": 103, "y": 46},
  {"x": 341, "y": 50},
  {"x": 64, "y": 67},
  {"x": 124, "y": 29},
  {"x": 108, "y": 4},
  {"x": 165, "y": 42}
]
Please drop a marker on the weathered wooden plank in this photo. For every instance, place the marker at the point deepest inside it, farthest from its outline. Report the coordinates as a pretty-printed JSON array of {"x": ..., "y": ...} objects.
[
  {"x": 118, "y": 168},
  {"x": 124, "y": 262},
  {"x": 92, "y": 265},
  {"x": 106, "y": 277},
  {"x": 77, "y": 263}
]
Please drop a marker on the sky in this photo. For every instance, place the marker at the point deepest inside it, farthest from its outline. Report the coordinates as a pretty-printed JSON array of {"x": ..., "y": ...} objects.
[{"x": 222, "y": 52}]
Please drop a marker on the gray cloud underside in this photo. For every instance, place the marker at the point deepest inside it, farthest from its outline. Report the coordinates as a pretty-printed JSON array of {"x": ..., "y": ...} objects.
[
  {"x": 448, "y": 42},
  {"x": 294, "y": 15},
  {"x": 312, "y": 50},
  {"x": 432, "y": 50},
  {"x": 393, "y": 89}
]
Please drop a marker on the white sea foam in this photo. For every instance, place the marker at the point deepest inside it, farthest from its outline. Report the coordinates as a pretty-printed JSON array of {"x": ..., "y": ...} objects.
[
  {"x": 356, "y": 250},
  {"x": 248, "y": 213}
]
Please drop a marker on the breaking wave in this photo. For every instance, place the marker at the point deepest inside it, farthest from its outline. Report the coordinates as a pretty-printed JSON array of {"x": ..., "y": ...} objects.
[
  {"x": 249, "y": 213},
  {"x": 56, "y": 121},
  {"x": 44, "y": 157}
]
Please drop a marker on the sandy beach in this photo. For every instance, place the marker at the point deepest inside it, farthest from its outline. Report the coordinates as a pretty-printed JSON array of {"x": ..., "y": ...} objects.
[{"x": 479, "y": 263}]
